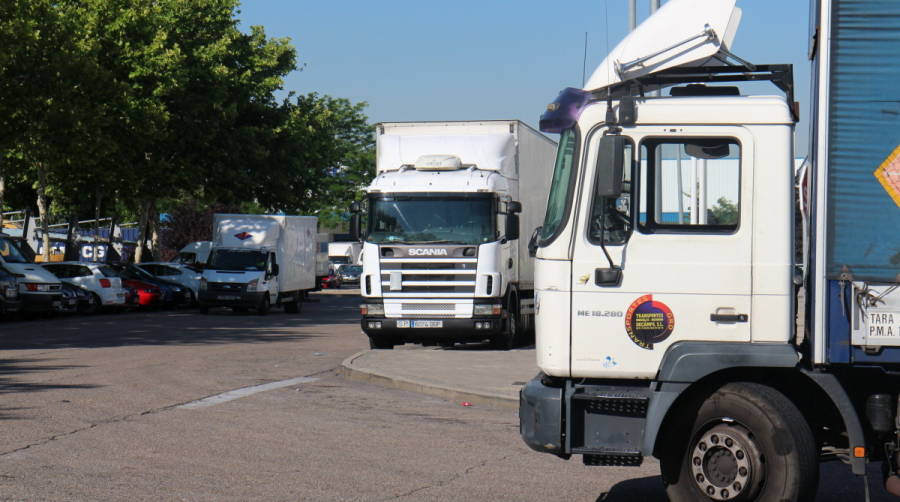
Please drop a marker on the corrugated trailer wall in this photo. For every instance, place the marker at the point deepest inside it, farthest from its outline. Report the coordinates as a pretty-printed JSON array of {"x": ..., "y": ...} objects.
[{"x": 864, "y": 132}]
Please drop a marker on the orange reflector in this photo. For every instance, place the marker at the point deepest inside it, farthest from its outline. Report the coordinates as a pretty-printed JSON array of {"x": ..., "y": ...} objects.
[{"x": 859, "y": 452}]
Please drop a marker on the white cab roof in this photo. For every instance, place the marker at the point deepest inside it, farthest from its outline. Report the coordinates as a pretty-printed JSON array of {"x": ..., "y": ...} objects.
[
  {"x": 738, "y": 110},
  {"x": 463, "y": 180},
  {"x": 681, "y": 33}
]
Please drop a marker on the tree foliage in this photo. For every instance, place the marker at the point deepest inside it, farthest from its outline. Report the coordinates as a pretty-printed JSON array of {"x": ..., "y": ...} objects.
[{"x": 136, "y": 107}]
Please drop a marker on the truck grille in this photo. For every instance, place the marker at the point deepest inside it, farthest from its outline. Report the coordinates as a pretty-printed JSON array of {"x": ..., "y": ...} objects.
[
  {"x": 225, "y": 287},
  {"x": 432, "y": 276}
]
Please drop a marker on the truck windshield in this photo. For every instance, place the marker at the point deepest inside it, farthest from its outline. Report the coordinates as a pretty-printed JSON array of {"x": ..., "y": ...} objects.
[
  {"x": 10, "y": 252},
  {"x": 237, "y": 259},
  {"x": 421, "y": 220}
]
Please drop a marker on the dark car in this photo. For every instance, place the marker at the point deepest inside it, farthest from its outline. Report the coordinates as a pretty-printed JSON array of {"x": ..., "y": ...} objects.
[
  {"x": 68, "y": 304},
  {"x": 172, "y": 293},
  {"x": 9, "y": 293},
  {"x": 349, "y": 273}
]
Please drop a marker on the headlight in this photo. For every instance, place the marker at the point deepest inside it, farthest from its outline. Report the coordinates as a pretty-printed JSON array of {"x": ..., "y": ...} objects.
[
  {"x": 371, "y": 309},
  {"x": 252, "y": 285},
  {"x": 486, "y": 309},
  {"x": 203, "y": 283}
]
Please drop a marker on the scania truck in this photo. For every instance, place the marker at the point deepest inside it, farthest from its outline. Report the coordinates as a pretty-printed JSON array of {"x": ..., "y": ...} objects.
[
  {"x": 683, "y": 311},
  {"x": 443, "y": 261}
]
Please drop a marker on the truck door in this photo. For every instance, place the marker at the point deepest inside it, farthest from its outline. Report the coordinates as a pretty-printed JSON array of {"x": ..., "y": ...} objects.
[{"x": 681, "y": 233}]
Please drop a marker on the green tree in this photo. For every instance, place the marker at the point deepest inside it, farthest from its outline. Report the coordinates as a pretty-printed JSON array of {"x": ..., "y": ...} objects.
[{"x": 724, "y": 212}]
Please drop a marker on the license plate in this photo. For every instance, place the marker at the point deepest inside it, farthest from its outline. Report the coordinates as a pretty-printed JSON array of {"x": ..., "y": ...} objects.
[
  {"x": 11, "y": 292},
  {"x": 228, "y": 297},
  {"x": 57, "y": 304},
  {"x": 883, "y": 324},
  {"x": 420, "y": 324}
]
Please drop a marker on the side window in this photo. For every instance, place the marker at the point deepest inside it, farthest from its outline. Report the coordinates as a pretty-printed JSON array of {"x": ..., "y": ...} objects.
[
  {"x": 611, "y": 218},
  {"x": 58, "y": 271},
  {"x": 163, "y": 270},
  {"x": 82, "y": 272},
  {"x": 690, "y": 185}
]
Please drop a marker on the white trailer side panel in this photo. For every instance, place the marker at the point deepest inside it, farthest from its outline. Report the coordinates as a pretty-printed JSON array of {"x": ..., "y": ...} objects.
[{"x": 536, "y": 155}]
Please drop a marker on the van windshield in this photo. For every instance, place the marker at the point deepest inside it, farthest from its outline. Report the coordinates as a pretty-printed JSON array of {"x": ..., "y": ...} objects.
[
  {"x": 432, "y": 220},
  {"x": 237, "y": 259},
  {"x": 10, "y": 252}
]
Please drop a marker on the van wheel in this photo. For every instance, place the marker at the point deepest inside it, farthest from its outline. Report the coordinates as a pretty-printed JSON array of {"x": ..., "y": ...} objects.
[
  {"x": 264, "y": 305},
  {"x": 748, "y": 442},
  {"x": 295, "y": 305}
]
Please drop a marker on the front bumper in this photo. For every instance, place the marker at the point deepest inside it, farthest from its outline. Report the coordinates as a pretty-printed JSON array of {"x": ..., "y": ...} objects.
[
  {"x": 245, "y": 299},
  {"x": 540, "y": 416},
  {"x": 451, "y": 328}
]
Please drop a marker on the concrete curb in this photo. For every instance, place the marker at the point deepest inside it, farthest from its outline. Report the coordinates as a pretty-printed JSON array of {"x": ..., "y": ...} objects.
[{"x": 450, "y": 394}]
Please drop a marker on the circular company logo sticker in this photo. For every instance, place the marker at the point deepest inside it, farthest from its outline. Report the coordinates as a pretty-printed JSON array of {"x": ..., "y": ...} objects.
[{"x": 648, "y": 322}]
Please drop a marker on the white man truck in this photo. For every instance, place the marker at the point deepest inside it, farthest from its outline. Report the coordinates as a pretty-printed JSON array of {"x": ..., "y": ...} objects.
[
  {"x": 442, "y": 257},
  {"x": 258, "y": 261},
  {"x": 670, "y": 320}
]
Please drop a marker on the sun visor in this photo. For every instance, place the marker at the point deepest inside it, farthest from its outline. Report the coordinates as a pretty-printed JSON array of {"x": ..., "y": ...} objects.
[
  {"x": 490, "y": 152},
  {"x": 681, "y": 33}
]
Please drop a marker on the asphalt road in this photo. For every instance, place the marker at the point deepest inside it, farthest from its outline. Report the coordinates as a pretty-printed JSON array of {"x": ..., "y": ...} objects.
[{"x": 167, "y": 406}]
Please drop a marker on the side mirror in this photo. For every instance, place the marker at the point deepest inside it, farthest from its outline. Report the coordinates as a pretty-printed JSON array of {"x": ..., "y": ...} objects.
[
  {"x": 513, "y": 207},
  {"x": 533, "y": 242},
  {"x": 610, "y": 163},
  {"x": 512, "y": 227},
  {"x": 355, "y": 230}
]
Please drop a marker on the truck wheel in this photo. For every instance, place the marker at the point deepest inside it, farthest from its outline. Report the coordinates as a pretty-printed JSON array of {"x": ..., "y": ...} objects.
[
  {"x": 295, "y": 305},
  {"x": 380, "y": 342},
  {"x": 748, "y": 443},
  {"x": 264, "y": 305},
  {"x": 510, "y": 337}
]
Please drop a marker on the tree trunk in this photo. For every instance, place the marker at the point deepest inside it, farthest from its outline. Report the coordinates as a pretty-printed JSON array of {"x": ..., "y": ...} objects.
[
  {"x": 2, "y": 194},
  {"x": 143, "y": 218},
  {"x": 154, "y": 231},
  {"x": 98, "y": 199},
  {"x": 43, "y": 211}
]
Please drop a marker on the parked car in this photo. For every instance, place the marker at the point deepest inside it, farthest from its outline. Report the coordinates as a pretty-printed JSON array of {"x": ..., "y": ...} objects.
[
  {"x": 142, "y": 294},
  {"x": 171, "y": 293},
  {"x": 68, "y": 304},
  {"x": 350, "y": 273},
  {"x": 332, "y": 281},
  {"x": 9, "y": 293},
  {"x": 99, "y": 279},
  {"x": 186, "y": 275}
]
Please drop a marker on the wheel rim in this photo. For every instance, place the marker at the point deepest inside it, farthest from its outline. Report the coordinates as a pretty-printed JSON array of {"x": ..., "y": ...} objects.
[{"x": 726, "y": 464}]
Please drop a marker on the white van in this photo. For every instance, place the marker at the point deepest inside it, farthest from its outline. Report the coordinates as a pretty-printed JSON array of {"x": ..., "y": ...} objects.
[{"x": 39, "y": 290}]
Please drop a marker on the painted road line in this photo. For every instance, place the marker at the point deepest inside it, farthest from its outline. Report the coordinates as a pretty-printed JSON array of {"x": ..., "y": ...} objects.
[{"x": 244, "y": 392}]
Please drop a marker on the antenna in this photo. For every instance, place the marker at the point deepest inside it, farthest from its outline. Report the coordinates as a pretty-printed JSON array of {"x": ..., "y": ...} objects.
[
  {"x": 584, "y": 62},
  {"x": 606, "y": 29}
]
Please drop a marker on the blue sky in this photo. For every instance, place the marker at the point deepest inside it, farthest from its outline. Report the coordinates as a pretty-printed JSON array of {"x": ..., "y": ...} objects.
[{"x": 488, "y": 59}]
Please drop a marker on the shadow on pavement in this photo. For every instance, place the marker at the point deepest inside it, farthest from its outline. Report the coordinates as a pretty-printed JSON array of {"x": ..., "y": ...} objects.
[
  {"x": 648, "y": 489},
  {"x": 182, "y": 326},
  {"x": 10, "y": 385}
]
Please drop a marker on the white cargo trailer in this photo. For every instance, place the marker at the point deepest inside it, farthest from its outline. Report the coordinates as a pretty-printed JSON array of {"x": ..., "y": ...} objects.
[
  {"x": 443, "y": 260},
  {"x": 257, "y": 261}
]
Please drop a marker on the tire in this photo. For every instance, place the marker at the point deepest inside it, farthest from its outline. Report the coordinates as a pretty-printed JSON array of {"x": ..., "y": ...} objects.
[
  {"x": 510, "y": 337},
  {"x": 94, "y": 305},
  {"x": 380, "y": 342},
  {"x": 748, "y": 443},
  {"x": 295, "y": 305},
  {"x": 264, "y": 305}
]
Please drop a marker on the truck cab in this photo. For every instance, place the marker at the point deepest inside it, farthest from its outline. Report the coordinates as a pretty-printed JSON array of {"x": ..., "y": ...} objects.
[
  {"x": 443, "y": 259},
  {"x": 669, "y": 292}
]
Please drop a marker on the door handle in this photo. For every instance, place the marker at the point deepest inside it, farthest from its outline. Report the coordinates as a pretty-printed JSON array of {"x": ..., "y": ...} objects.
[{"x": 729, "y": 317}]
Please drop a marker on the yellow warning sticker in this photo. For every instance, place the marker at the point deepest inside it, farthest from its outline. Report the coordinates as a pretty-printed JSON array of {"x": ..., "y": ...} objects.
[{"x": 888, "y": 173}]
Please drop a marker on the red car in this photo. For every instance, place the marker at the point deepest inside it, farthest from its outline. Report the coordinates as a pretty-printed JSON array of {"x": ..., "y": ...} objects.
[
  {"x": 332, "y": 280},
  {"x": 147, "y": 294}
]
